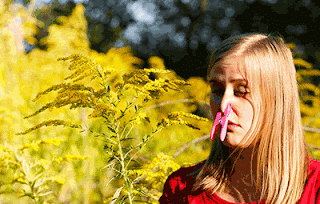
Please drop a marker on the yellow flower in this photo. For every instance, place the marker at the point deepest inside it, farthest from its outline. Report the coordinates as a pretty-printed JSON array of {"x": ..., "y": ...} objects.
[
  {"x": 138, "y": 77},
  {"x": 303, "y": 63},
  {"x": 140, "y": 116},
  {"x": 44, "y": 163},
  {"x": 160, "y": 71},
  {"x": 53, "y": 141},
  {"x": 188, "y": 115},
  {"x": 20, "y": 178},
  {"x": 59, "y": 159},
  {"x": 57, "y": 179},
  {"x": 156, "y": 62},
  {"x": 157, "y": 171},
  {"x": 34, "y": 147},
  {"x": 292, "y": 46},
  {"x": 102, "y": 110},
  {"x": 49, "y": 123},
  {"x": 69, "y": 158}
]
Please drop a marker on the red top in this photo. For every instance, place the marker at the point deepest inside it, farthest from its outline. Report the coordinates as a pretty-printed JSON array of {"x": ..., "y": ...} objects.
[{"x": 177, "y": 188}]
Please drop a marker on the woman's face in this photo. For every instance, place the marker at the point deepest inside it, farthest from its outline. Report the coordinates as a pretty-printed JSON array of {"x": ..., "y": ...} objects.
[{"x": 228, "y": 86}]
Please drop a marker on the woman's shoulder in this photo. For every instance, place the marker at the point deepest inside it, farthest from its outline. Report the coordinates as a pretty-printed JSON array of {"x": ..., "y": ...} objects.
[
  {"x": 312, "y": 185},
  {"x": 314, "y": 167},
  {"x": 180, "y": 182},
  {"x": 186, "y": 172}
]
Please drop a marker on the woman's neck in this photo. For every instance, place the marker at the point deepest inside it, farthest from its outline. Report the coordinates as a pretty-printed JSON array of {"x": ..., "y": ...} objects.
[
  {"x": 241, "y": 177},
  {"x": 241, "y": 187}
]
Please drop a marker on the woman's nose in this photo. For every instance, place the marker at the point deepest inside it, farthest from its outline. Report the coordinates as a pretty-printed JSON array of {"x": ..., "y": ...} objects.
[
  {"x": 225, "y": 100},
  {"x": 222, "y": 98}
]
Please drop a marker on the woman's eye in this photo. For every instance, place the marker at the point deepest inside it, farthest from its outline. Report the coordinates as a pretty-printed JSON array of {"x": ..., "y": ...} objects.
[{"x": 241, "y": 91}]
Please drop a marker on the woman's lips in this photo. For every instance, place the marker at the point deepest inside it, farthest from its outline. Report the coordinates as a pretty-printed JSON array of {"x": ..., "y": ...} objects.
[{"x": 232, "y": 126}]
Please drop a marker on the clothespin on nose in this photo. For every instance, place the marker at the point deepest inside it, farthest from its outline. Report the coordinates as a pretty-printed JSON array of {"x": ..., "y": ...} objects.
[{"x": 223, "y": 121}]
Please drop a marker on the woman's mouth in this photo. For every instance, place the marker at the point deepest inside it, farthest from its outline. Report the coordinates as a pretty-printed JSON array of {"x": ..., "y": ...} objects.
[{"x": 232, "y": 126}]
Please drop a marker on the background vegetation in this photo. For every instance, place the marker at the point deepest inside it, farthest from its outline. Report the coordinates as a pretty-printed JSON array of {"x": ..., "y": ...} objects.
[{"x": 67, "y": 165}]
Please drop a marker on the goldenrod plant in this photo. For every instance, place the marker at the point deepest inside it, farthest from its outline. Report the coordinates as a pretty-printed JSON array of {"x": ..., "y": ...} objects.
[
  {"x": 28, "y": 177},
  {"x": 120, "y": 106}
]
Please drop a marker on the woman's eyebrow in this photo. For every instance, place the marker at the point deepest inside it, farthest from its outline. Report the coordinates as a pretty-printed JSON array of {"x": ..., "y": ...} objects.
[
  {"x": 231, "y": 80},
  {"x": 238, "y": 80}
]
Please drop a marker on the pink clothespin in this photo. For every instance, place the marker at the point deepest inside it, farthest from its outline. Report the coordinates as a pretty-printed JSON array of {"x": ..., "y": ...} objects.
[{"x": 223, "y": 121}]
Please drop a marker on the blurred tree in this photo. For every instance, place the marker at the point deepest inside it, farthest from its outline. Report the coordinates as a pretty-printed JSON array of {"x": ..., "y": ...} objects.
[{"x": 184, "y": 32}]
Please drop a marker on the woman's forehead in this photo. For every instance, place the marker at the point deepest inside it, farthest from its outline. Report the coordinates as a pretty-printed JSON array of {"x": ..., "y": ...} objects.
[{"x": 226, "y": 71}]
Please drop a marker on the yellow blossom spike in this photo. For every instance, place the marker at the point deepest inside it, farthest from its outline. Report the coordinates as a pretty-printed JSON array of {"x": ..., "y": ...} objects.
[
  {"x": 63, "y": 87},
  {"x": 68, "y": 97},
  {"x": 50, "y": 123},
  {"x": 34, "y": 147},
  {"x": 159, "y": 71},
  {"x": 85, "y": 67},
  {"x": 303, "y": 63},
  {"x": 53, "y": 141}
]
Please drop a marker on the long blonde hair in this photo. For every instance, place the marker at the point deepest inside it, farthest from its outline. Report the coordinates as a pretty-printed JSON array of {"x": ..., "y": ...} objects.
[{"x": 276, "y": 131}]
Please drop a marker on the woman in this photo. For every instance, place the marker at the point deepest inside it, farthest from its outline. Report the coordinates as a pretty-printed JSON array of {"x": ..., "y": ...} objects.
[{"x": 264, "y": 157}]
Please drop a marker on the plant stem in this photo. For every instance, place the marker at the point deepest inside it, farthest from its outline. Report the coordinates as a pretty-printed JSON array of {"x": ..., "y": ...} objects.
[
  {"x": 124, "y": 170},
  {"x": 154, "y": 133}
]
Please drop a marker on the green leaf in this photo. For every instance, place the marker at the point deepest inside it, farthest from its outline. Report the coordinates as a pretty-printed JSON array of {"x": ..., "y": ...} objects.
[
  {"x": 144, "y": 193},
  {"x": 109, "y": 147},
  {"x": 116, "y": 195},
  {"x": 128, "y": 138},
  {"x": 141, "y": 201},
  {"x": 111, "y": 129},
  {"x": 123, "y": 198},
  {"x": 111, "y": 159},
  {"x": 45, "y": 194}
]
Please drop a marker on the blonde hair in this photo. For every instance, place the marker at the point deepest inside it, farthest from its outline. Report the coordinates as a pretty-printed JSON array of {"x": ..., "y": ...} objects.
[{"x": 276, "y": 131}]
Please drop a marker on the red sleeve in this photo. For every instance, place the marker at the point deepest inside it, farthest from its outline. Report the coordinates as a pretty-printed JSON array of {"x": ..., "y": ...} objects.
[
  {"x": 173, "y": 189},
  {"x": 178, "y": 186},
  {"x": 311, "y": 193}
]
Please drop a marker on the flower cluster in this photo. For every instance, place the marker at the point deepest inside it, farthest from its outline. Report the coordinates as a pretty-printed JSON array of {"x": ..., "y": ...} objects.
[
  {"x": 176, "y": 118},
  {"x": 85, "y": 67},
  {"x": 31, "y": 174},
  {"x": 155, "y": 174},
  {"x": 292, "y": 46},
  {"x": 140, "y": 116},
  {"x": 149, "y": 89},
  {"x": 62, "y": 87},
  {"x": 155, "y": 88},
  {"x": 50, "y": 123},
  {"x": 70, "y": 158},
  {"x": 102, "y": 110},
  {"x": 53, "y": 141},
  {"x": 35, "y": 146},
  {"x": 303, "y": 63},
  {"x": 7, "y": 158},
  {"x": 57, "y": 179},
  {"x": 141, "y": 77}
]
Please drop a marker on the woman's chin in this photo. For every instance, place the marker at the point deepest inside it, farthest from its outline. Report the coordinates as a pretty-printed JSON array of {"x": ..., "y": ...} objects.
[{"x": 231, "y": 140}]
